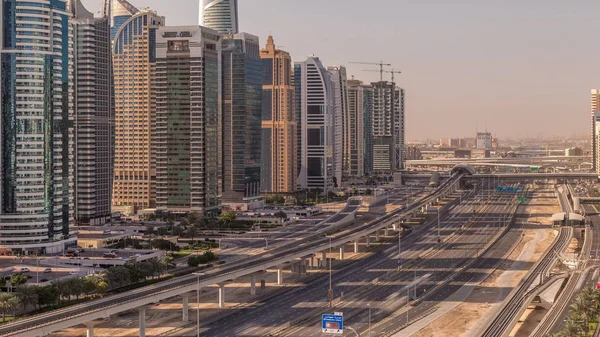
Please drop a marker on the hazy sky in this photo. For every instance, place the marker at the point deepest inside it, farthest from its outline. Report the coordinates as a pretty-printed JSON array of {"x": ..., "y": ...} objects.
[{"x": 523, "y": 67}]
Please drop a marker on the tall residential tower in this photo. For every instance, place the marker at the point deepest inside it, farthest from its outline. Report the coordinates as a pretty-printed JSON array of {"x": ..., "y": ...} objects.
[
  {"x": 387, "y": 127},
  {"x": 220, "y": 15},
  {"x": 595, "y": 108},
  {"x": 94, "y": 115},
  {"x": 36, "y": 130},
  {"x": 242, "y": 93},
  {"x": 187, "y": 85},
  {"x": 355, "y": 131},
  {"x": 134, "y": 56},
  {"x": 341, "y": 147},
  {"x": 279, "y": 169},
  {"x": 314, "y": 110}
]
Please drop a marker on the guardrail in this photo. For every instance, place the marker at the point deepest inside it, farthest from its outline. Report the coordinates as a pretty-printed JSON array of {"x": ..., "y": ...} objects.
[{"x": 79, "y": 314}]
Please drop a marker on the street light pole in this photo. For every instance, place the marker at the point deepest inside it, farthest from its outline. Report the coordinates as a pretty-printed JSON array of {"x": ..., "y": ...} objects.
[
  {"x": 330, "y": 292},
  {"x": 399, "y": 245},
  {"x": 369, "y": 305}
]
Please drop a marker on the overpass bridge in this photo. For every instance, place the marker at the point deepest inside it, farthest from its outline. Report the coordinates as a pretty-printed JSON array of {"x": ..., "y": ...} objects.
[
  {"x": 536, "y": 176},
  {"x": 320, "y": 242}
]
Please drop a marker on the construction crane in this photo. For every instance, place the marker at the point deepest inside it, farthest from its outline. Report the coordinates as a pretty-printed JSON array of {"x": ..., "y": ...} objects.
[
  {"x": 380, "y": 64},
  {"x": 393, "y": 72}
]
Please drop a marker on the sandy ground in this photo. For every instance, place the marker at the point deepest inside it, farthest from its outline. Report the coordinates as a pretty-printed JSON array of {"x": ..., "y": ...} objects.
[{"x": 468, "y": 316}]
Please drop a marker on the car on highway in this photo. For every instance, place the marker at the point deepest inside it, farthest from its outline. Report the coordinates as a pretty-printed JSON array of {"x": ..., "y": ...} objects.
[
  {"x": 47, "y": 270},
  {"x": 24, "y": 270}
]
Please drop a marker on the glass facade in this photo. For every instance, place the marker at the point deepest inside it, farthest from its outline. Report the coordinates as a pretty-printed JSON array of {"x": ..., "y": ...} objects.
[
  {"x": 36, "y": 129},
  {"x": 220, "y": 15},
  {"x": 242, "y": 115}
]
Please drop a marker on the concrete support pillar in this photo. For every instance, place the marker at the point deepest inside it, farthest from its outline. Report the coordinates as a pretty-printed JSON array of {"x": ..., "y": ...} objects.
[
  {"x": 324, "y": 259},
  {"x": 252, "y": 285},
  {"x": 394, "y": 227},
  {"x": 386, "y": 231},
  {"x": 142, "y": 321},
  {"x": 186, "y": 308},
  {"x": 221, "y": 295},
  {"x": 279, "y": 276},
  {"x": 355, "y": 247},
  {"x": 368, "y": 239},
  {"x": 341, "y": 252},
  {"x": 377, "y": 236},
  {"x": 90, "y": 329}
]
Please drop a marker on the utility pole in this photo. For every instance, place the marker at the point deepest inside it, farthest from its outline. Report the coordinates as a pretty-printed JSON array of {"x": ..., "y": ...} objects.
[{"x": 380, "y": 64}]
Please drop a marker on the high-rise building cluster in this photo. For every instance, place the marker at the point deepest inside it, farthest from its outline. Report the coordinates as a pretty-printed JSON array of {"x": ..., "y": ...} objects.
[{"x": 118, "y": 112}]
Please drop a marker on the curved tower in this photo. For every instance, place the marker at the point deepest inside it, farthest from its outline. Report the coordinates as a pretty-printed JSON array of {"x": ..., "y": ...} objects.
[
  {"x": 36, "y": 133},
  {"x": 134, "y": 55},
  {"x": 220, "y": 15},
  {"x": 314, "y": 111}
]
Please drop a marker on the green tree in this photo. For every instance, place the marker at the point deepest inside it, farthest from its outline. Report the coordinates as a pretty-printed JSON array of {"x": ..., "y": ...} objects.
[
  {"x": 281, "y": 215},
  {"x": 162, "y": 231},
  {"x": 228, "y": 217},
  {"x": 62, "y": 289},
  {"x": 166, "y": 263},
  {"x": 28, "y": 296},
  {"x": 192, "y": 232},
  {"x": 275, "y": 200},
  {"x": 7, "y": 302},
  {"x": 46, "y": 295},
  {"x": 18, "y": 280}
]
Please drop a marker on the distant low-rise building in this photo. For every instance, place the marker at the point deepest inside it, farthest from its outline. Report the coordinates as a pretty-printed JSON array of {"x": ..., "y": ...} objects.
[
  {"x": 484, "y": 140},
  {"x": 413, "y": 153},
  {"x": 574, "y": 152}
]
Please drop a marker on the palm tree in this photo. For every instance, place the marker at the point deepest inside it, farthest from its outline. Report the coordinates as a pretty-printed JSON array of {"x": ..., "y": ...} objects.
[
  {"x": 228, "y": 217},
  {"x": 61, "y": 288},
  {"x": 6, "y": 303},
  {"x": 27, "y": 296},
  {"x": 166, "y": 263},
  {"x": 571, "y": 328}
]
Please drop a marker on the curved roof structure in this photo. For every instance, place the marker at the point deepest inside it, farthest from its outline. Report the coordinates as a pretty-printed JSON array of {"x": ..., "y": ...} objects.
[
  {"x": 464, "y": 169},
  {"x": 122, "y": 8}
]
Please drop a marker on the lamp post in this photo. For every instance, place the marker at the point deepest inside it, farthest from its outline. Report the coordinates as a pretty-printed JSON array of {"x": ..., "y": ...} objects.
[
  {"x": 369, "y": 305},
  {"x": 198, "y": 302},
  {"x": 330, "y": 292}
]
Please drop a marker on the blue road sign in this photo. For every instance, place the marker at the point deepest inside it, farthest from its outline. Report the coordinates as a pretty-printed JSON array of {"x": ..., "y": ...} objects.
[
  {"x": 508, "y": 189},
  {"x": 332, "y": 324}
]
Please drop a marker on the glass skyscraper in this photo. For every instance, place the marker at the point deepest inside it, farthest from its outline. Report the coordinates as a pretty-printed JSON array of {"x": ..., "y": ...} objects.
[
  {"x": 242, "y": 104},
  {"x": 94, "y": 115},
  {"x": 220, "y": 15},
  {"x": 36, "y": 130}
]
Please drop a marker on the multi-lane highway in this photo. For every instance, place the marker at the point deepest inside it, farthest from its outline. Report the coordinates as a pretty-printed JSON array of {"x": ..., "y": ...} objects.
[
  {"x": 79, "y": 314},
  {"x": 375, "y": 279}
]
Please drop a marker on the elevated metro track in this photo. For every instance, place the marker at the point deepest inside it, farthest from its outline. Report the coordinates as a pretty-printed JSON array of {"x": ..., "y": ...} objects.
[
  {"x": 512, "y": 308},
  {"x": 44, "y": 324}
]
